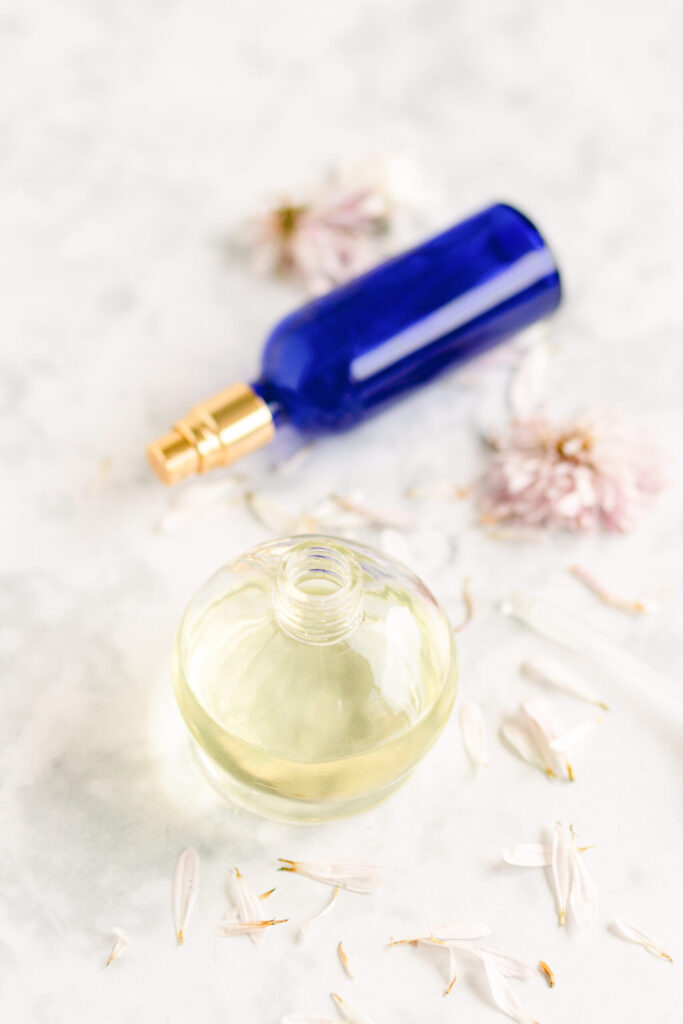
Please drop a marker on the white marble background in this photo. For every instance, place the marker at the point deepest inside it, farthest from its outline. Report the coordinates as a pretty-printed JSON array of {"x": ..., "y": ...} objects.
[{"x": 132, "y": 137}]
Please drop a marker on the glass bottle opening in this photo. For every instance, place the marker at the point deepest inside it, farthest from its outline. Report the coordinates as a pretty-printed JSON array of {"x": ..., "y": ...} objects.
[{"x": 317, "y": 593}]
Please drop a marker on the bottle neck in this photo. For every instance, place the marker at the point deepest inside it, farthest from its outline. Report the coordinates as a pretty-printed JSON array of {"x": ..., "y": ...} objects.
[{"x": 317, "y": 597}]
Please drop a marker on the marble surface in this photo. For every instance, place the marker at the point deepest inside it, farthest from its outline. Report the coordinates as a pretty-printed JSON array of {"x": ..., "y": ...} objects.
[{"x": 133, "y": 136}]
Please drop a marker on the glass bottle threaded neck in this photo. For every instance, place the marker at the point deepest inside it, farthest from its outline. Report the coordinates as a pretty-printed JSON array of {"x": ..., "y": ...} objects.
[{"x": 318, "y": 593}]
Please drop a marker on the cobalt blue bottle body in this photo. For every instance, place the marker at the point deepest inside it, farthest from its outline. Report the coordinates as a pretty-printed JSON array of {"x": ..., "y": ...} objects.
[{"x": 344, "y": 356}]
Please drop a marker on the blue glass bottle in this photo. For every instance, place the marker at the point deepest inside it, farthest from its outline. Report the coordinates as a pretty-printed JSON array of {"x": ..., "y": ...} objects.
[{"x": 342, "y": 357}]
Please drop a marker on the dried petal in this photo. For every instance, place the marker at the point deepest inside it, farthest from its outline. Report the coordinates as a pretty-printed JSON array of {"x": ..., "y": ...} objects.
[
  {"x": 544, "y": 724},
  {"x": 634, "y": 934},
  {"x": 566, "y": 741},
  {"x": 350, "y": 1013},
  {"x": 560, "y": 866},
  {"x": 185, "y": 889},
  {"x": 520, "y": 739},
  {"x": 503, "y": 996},
  {"x": 345, "y": 962},
  {"x": 583, "y": 895},
  {"x": 314, "y": 920},
  {"x": 474, "y": 732},
  {"x": 528, "y": 855},
  {"x": 547, "y": 973},
  {"x": 121, "y": 944},
  {"x": 607, "y": 597},
  {"x": 228, "y": 928},
  {"x": 469, "y": 606},
  {"x": 444, "y": 933},
  {"x": 554, "y": 674},
  {"x": 247, "y": 903},
  {"x": 353, "y": 875},
  {"x": 509, "y": 966}
]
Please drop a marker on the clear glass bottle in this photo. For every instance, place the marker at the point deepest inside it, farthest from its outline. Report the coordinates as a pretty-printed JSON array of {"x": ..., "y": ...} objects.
[{"x": 313, "y": 673}]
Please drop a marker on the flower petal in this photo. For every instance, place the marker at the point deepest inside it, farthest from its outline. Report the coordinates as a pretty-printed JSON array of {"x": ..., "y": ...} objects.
[
  {"x": 566, "y": 741},
  {"x": 520, "y": 739},
  {"x": 528, "y": 855},
  {"x": 227, "y": 928},
  {"x": 552, "y": 673},
  {"x": 344, "y": 960},
  {"x": 583, "y": 895},
  {"x": 353, "y": 875},
  {"x": 350, "y": 1013},
  {"x": 560, "y": 866},
  {"x": 247, "y": 903},
  {"x": 121, "y": 944},
  {"x": 631, "y": 932},
  {"x": 509, "y": 966},
  {"x": 544, "y": 724},
  {"x": 474, "y": 732},
  {"x": 185, "y": 889},
  {"x": 314, "y": 920},
  {"x": 503, "y": 996}
]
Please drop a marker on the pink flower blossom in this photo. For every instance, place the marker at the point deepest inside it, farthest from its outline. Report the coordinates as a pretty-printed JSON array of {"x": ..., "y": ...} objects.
[
  {"x": 326, "y": 240},
  {"x": 589, "y": 473}
]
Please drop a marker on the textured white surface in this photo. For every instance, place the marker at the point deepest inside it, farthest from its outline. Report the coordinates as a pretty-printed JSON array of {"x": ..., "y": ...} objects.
[{"x": 132, "y": 136}]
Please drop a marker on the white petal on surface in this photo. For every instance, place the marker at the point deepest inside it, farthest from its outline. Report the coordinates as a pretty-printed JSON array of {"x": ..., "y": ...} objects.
[
  {"x": 247, "y": 903},
  {"x": 553, "y": 673},
  {"x": 227, "y": 928},
  {"x": 307, "y": 925},
  {"x": 465, "y": 931},
  {"x": 344, "y": 960},
  {"x": 631, "y": 932},
  {"x": 350, "y": 1013},
  {"x": 583, "y": 894},
  {"x": 566, "y": 741},
  {"x": 528, "y": 855},
  {"x": 352, "y": 875},
  {"x": 185, "y": 889},
  {"x": 121, "y": 944},
  {"x": 520, "y": 739},
  {"x": 545, "y": 724},
  {"x": 509, "y": 966},
  {"x": 560, "y": 866},
  {"x": 474, "y": 732},
  {"x": 503, "y": 996}
]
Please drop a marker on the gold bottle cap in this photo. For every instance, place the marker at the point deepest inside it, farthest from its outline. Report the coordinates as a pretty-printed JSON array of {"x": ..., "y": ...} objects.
[{"x": 215, "y": 433}]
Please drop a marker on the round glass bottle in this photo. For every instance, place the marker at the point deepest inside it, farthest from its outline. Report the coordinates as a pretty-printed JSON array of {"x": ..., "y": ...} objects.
[{"x": 313, "y": 673}]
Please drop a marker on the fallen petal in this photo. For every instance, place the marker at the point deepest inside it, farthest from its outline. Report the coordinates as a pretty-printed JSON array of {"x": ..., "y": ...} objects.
[
  {"x": 350, "y": 1013},
  {"x": 247, "y": 903},
  {"x": 121, "y": 944},
  {"x": 353, "y": 875},
  {"x": 503, "y": 996},
  {"x": 344, "y": 960},
  {"x": 560, "y": 866},
  {"x": 554, "y": 674},
  {"x": 185, "y": 889},
  {"x": 313, "y": 920},
  {"x": 469, "y": 607},
  {"x": 583, "y": 895},
  {"x": 547, "y": 973},
  {"x": 639, "y": 607},
  {"x": 521, "y": 740},
  {"x": 528, "y": 855},
  {"x": 634, "y": 934},
  {"x": 445, "y": 933},
  {"x": 227, "y": 928},
  {"x": 566, "y": 741}
]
